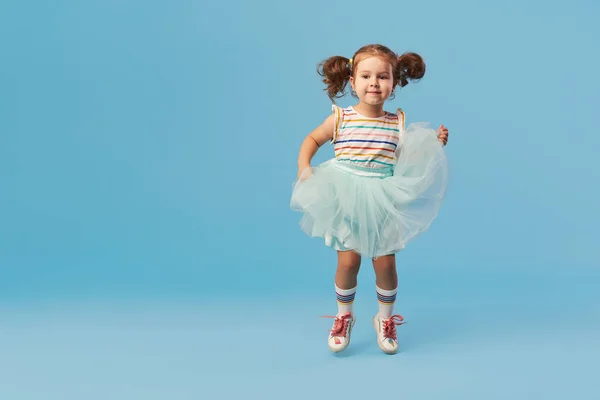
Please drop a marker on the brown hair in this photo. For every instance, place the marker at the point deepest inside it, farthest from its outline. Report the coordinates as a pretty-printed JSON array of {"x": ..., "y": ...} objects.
[{"x": 337, "y": 70}]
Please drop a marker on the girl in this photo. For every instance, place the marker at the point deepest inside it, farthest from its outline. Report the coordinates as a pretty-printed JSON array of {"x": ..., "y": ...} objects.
[{"x": 384, "y": 186}]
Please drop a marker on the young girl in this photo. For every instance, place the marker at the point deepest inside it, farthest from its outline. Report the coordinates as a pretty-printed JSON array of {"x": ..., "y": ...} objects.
[{"x": 383, "y": 188}]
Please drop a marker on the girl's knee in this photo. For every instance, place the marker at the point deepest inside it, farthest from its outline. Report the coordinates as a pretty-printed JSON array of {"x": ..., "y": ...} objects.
[
  {"x": 384, "y": 262},
  {"x": 349, "y": 261}
]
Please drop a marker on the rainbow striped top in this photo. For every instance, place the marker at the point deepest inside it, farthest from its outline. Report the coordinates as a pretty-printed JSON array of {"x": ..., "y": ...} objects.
[{"x": 372, "y": 142}]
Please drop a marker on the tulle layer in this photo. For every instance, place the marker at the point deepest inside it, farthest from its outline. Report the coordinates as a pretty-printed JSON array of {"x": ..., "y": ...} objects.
[{"x": 375, "y": 211}]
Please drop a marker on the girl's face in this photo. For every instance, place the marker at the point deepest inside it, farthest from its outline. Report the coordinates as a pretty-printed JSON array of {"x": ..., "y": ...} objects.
[{"x": 373, "y": 81}]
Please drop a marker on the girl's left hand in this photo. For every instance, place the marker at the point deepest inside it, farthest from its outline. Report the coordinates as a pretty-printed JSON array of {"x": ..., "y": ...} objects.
[{"x": 443, "y": 134}]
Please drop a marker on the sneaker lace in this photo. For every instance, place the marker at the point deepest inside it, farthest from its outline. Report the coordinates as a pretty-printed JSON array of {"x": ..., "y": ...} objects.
[
  {"x": 340, "y": 324},
  {"x": 389, "y": 326}
]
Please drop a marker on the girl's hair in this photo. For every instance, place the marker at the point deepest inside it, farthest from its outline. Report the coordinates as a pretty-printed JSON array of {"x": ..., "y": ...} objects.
[{"x": 337, "y": 70}]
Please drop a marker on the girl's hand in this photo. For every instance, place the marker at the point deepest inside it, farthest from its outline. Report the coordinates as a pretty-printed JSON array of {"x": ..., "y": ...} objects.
[
  {"x": 304, "y": 173},
  {"x": 443, "y": 134}
]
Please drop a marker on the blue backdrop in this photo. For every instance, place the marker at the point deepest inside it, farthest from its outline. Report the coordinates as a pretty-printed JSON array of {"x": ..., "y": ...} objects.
[{"x": 147, "y": 155}]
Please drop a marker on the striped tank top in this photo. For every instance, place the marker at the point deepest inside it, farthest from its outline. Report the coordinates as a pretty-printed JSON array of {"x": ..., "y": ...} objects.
[{"x": 371, "y": 142}]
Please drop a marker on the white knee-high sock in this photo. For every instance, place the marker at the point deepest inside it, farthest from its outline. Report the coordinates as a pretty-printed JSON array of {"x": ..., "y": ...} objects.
[
  {"x": 386, "y": 300},
  {"x": 345, "y": 299}
]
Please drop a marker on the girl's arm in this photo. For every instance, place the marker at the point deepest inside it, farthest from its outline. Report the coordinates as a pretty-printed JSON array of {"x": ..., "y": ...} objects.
[{"x": 322, "y": 134}]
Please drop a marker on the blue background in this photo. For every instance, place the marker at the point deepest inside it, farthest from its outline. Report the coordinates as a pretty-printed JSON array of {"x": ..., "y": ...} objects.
[{"x": 147, "y": 248}]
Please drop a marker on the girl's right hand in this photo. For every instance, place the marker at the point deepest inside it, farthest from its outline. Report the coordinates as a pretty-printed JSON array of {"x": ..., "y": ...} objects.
[{"x": 304, "y": 173}]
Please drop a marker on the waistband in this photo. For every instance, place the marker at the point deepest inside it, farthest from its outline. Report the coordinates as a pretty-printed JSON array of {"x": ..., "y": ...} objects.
[{"x": 352, "y": 168}]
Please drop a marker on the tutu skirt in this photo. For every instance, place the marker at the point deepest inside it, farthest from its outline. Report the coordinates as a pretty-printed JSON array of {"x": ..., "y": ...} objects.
[{"x": 375, "y": 211}]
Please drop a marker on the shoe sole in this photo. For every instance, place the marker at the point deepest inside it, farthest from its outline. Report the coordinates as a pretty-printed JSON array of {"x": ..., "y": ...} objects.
[
  {"x": 350, "y": 326},
  {"x": 386, "y": 351}
]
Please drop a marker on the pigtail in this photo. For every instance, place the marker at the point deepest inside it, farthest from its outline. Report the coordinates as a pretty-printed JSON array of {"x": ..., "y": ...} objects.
[
  {"x": 410, "y": 66},
  {"x": 336, "y": 72}
]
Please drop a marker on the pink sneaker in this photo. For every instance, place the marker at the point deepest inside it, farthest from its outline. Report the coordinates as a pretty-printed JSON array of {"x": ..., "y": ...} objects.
[
  {"x": 339, "y": 335},
  {"x": 386, "y": 332}
]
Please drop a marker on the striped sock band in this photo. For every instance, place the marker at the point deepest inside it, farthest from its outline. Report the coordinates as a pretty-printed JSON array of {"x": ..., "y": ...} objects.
[
  {"x": 345, "y": 299},
  {"x": 386, "y": 299}
]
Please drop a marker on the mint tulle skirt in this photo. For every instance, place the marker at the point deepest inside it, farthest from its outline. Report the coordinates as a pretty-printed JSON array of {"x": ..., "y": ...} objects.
[{"x": 375, "y": 211}]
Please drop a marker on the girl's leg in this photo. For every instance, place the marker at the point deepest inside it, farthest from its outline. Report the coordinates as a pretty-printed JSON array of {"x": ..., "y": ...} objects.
[
  {"x": 386, "y": 280},
  {"x": 346, "y": 280},
  {"x": 345, "y": 288}
]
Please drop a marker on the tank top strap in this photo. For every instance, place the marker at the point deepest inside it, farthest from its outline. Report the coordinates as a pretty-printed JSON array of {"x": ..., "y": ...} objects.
[
  {"x": 401, "y": 120},
  {"x": 339, "y": 117}
]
